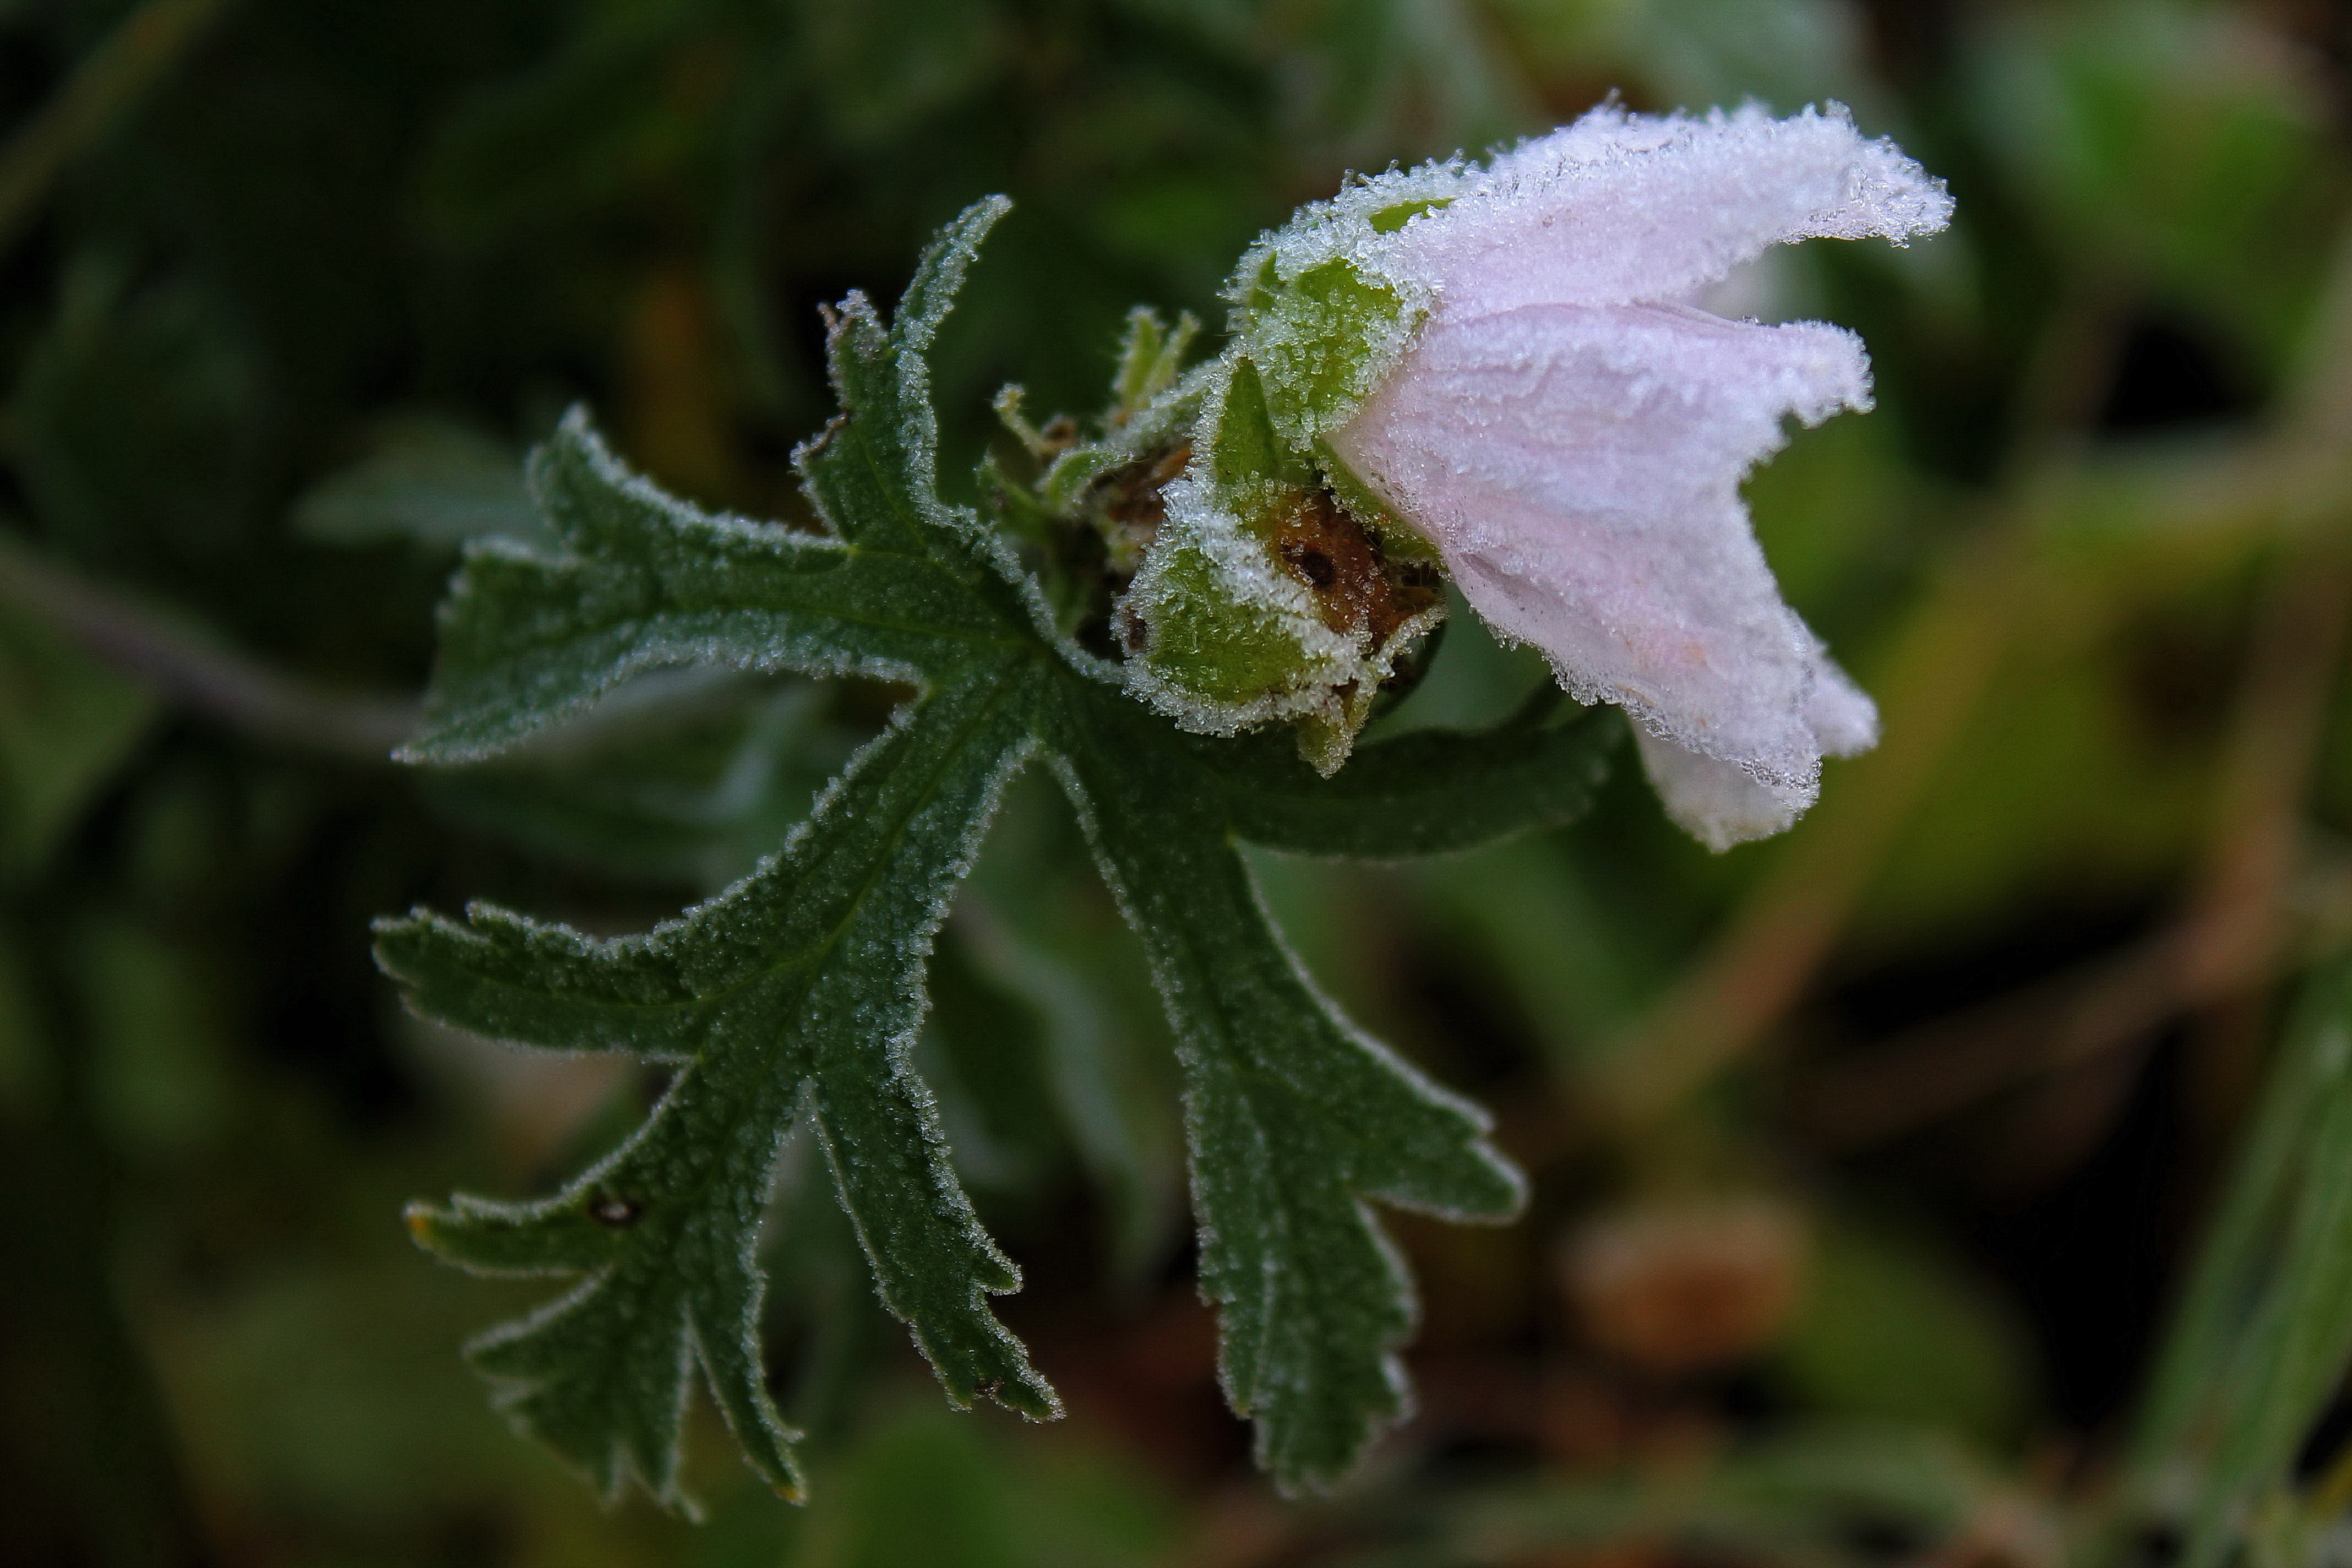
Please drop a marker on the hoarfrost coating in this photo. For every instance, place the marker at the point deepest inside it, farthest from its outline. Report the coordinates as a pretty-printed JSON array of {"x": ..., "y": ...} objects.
[{"x": 1570, "y": 433}]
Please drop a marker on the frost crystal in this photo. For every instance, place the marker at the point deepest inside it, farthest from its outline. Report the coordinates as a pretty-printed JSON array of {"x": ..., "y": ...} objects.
[
  {"x": 1571, "y": 433},
  {"x": 1506, "y": 363}
]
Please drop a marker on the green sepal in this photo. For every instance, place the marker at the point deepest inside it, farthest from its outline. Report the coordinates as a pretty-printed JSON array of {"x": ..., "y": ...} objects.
[
  {"x": 1323, "y": 339},
  {"x": 1230, "y": 636},
  {"x": 1224, "y": 637},
  {"x": 1389, "y": 219},
  {"x": 1149, "y": 357},
  {"x": 1249, "y": 461},
  {"x": 1399, "y": 539}
]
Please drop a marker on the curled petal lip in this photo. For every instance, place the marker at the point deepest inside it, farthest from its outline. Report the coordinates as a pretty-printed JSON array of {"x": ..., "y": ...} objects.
[{"x": 1623, "y": 208}]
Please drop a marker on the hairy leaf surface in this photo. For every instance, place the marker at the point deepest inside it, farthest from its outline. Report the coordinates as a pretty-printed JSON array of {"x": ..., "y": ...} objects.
[{"x": 790, "y": 1001}]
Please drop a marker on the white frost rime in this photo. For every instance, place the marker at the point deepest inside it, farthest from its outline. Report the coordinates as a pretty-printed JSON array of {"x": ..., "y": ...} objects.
[{"x": 1571, "y": 433}]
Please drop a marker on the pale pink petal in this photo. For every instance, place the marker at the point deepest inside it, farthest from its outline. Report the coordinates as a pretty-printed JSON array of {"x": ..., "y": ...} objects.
[
  {"x": 1713, "y": 800},
  {"x": 1578, "y": 468},
  {"x": 1623, "y": 208},
  {"x": 1842, "y": 717}
]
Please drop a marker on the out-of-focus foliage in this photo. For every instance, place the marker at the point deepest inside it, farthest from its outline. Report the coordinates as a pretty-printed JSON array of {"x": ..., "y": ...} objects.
[{"x": 288, "y": 280}]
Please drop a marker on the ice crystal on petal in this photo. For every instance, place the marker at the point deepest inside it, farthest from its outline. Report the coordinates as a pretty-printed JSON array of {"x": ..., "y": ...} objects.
[
  {"x": 1624, "y": 209},
  {"x": 1580, "y": 468},
  {"x": 1572, "y": 438}
]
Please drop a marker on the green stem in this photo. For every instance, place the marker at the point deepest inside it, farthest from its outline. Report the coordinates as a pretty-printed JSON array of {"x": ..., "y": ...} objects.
[{"x": 189, "y": 668}]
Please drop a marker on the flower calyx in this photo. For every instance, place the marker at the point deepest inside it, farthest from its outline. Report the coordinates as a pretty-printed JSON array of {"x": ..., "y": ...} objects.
[
  {"x": 1265, "y": 594},
  {"x": 1207, "y": 544},
  {"x": 1283, "y": 588}
]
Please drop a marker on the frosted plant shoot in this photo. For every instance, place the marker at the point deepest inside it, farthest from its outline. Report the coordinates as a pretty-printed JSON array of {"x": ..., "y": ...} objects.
[
  {"x": 1492, "y": 373},
  {"x": 1503, "y": 365}
]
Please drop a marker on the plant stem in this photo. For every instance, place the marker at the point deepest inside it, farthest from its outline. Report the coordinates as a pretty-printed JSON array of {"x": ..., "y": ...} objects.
[{"x": 190, "y": 669}]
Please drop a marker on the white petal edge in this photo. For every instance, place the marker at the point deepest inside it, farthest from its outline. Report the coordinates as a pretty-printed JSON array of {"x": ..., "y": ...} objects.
[
  {"x": 1622, "y": 208},
  {"x": 1714, "y": 801}
]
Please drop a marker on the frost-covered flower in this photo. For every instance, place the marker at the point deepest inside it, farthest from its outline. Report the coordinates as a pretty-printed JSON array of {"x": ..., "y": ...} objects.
[{"x": 1507, "y": 362}]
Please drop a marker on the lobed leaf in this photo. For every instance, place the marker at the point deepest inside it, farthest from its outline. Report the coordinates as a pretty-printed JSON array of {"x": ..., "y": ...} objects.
[
  {"x": 1294, "y": 1119},
  {"x": 648, "y": 581},
  {"x": 790, "y": 1001}
]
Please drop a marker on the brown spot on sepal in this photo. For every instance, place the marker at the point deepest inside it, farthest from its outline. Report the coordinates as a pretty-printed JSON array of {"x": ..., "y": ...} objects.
[
  {"x": 1133, "y": 632},
  {"x": 1359, "y": 591}
]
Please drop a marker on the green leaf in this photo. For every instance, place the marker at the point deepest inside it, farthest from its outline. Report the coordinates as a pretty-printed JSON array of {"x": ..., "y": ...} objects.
[
  {"x": 792, "y": 1000},
  {"x": 649, "y": 583},
  {"x": 1294, "y": 1117},
  {"x": 1427, "y": 791},
  {"x": 902, "y": 585}
]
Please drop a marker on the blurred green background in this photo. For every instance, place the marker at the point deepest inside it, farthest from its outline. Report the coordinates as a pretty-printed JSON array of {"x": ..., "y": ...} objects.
[{"x": 1884, "y": 1141}]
